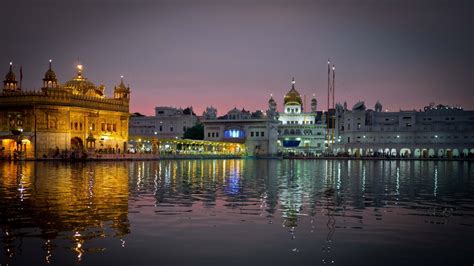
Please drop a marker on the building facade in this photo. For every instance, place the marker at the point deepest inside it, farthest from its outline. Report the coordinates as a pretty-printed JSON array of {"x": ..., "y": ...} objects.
[
  {"x": 60, "y": 119},
  {"x": 299, "y": 132},
  {"x": 168, "y": 122},
  {"x": 436, "y": 131},
  {"x": 258, "y": 132}
]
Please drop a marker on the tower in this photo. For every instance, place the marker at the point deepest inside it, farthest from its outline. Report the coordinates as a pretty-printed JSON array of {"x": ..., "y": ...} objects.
[
  {"x": 272, "y": 112},
  {"x": 121, "y": 91},
  {"x": 10, "y": 83},
  {"x": 50, "y": 80},
  {"x": 378, "y": 107},
  {"x": 314, "y": 104}
]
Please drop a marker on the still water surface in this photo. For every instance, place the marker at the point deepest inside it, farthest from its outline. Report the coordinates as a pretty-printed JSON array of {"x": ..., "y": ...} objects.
[{"x": 237, "y": 212}]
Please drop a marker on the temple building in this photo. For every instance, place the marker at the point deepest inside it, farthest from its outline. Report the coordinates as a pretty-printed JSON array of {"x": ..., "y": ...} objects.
[
  {"x": 436, "y": 131},
  {"x": 299, "y": 132},
  {"x": 58, "y": 120}
]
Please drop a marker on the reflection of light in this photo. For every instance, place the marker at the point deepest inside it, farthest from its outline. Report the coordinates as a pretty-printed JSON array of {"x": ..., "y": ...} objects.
[
  {"x": 435, "y": 191},
  {"x": 398, "y": 181}
]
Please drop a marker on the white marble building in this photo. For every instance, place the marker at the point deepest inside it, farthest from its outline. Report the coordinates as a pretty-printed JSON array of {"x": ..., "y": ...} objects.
[
  {"x": 167, "y": 123},
  {"x": 435, "y": 131},
  {"x": 299, "y": 132}
]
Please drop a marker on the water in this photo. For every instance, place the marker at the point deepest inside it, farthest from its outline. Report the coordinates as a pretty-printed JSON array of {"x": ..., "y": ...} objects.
[{"x": 237, "y": 212}]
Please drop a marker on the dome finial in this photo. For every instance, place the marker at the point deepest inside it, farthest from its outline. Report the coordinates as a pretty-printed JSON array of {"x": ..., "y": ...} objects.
[
  {"x": 50, "y": 61},
  {"x": 11, "y": 66},
  {"x": 79, "y": 70}
]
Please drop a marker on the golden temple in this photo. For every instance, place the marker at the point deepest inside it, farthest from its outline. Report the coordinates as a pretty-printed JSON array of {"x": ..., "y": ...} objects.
[{"x": 62, "y": 120}]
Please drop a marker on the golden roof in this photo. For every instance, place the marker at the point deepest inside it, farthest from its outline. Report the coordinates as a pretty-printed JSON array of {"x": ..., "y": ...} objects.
[
  {"x": 82, "y": 86},
  {"x": 293, "y": 96}
]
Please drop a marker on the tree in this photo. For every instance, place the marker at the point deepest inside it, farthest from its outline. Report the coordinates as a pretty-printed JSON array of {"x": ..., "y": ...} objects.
[{"x": 195, "y": 132}]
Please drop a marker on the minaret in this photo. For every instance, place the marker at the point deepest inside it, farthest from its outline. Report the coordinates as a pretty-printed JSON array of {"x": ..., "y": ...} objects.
[
  {"x": 121, "y": 91},
  {"x": 50, "y": 80},
  {"x": 378, "y": 107},
  {"x": 10, "y": 83},
  {"x": 314, "y": 104},
  {"x": 272, "y": 112}
]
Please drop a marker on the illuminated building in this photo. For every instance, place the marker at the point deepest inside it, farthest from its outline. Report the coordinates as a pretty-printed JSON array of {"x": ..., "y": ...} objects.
[
  {"x": 60, "y": 119},
  {"x": 168, "y": 122},
  {"x": 255, "y": 130},
  {"x": 436, "y": 131},
  {"x": 299, "y": 132}
]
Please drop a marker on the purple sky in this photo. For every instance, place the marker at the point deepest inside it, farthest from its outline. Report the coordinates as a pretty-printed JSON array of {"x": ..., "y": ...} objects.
[{"x": 235, "y": 53}]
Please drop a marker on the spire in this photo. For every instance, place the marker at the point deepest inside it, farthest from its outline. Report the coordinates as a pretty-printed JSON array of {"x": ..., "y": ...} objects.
[
  {"x": 49, "y": 80},
  {"x": 10, "y": 82},
  {"x": 79, "y": 70},
  {"x": 293, "y": 83}
]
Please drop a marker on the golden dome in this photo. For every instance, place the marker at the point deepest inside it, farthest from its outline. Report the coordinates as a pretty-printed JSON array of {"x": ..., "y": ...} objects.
[
  {"x": 293, "y": 96},
  {"x": 82, "y": 86}
]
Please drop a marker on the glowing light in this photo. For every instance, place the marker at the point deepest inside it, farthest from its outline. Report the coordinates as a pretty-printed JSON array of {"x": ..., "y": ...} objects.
[
  {"x": 436, "y": 136},
  {"x": 11, "y": 63},
  {"x": 50, "y": 60},
  {"x": 121, "y": 76},
  {"x": 398, "y": 136},
  {"x": 79, "y": 67},
  {"x": 333, "y": 68}
]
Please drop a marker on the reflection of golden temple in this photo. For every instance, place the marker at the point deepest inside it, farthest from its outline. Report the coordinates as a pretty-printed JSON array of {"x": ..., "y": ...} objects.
[
  {"x": 59, "y": 119},
  {"x": 63, "y": 201}
]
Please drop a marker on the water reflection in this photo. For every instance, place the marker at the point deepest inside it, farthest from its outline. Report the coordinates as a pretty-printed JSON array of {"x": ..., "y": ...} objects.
[
  {"x": 62, "y": 202},
  {"x": 319, "y": 206}
]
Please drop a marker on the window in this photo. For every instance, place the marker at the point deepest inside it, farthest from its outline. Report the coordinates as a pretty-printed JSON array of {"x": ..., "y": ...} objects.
[
  {"x": 213, "y": 134},
  {"x": 75, "y": 126},
  {"x": 102, "y": 126},
  {"x": 80, "y": 126},
  {"x": 251, "y": 134},
  {"x": 208, "y": 134},
  {"x": 161, "y": 128},
  {"x": 109, "y": 127},
  {"x": 171, "y": 128},
  {"x": 184, "y": 128},
  {"x": 217, "y": 134},
  {"x": 262, "y": 134},
  {"x": 256, "y": 134},
  {"x": 93, "y": 126},
  {"x": 114, "y": 127}
]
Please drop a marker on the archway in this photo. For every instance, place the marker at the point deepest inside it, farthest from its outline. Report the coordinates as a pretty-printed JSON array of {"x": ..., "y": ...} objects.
[
  {"x": 431, "y": 153},
  {"x": 393, "y": 152},
  {"x": 425, "y": 153},
  {"x": 441, "y": 153},
  {"x": 417, "y": 153},
  {"x": 405, "y": 152},
  {"x": 77, "y": 144},
  {"x": 386, "y": 152},
  {"x": 465, "y": 152},
  {"x": 455, "y": 153}
]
